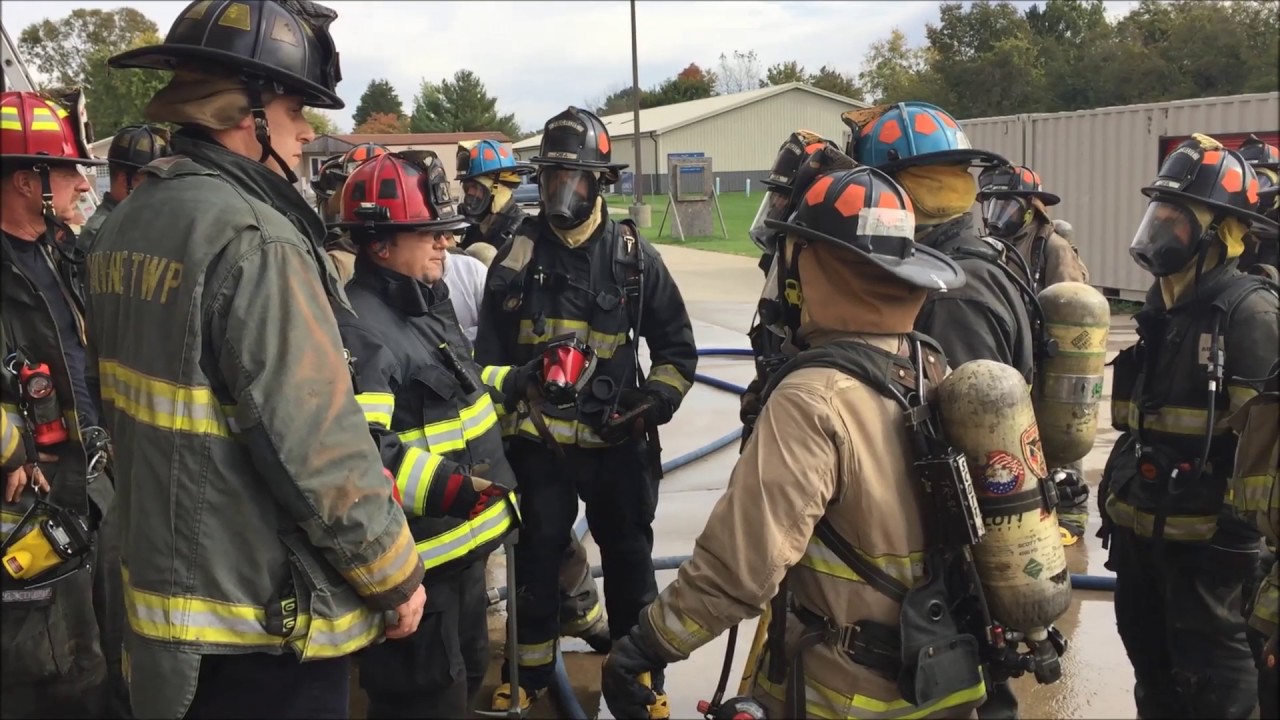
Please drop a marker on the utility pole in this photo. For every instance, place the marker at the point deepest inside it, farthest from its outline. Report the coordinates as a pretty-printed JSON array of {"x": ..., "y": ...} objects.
[{"x": 639, "y": 211}]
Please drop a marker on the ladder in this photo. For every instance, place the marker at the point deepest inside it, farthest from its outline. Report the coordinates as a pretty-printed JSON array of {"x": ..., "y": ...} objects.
[{"x": 17, "y": 77}]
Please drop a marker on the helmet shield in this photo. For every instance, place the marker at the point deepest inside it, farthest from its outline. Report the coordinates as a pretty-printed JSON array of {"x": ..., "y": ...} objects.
[
  {"x": 1006, "y": 215},
  {"x": 568, "y": 195},
  {"x": 476, "y": 197},
  {"x": 1167, "y": 239},
  {"x": 777, "y": 207}
]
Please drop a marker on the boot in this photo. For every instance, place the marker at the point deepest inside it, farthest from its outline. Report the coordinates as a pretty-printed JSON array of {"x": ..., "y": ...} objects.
[{"x": 502, "y": 698}]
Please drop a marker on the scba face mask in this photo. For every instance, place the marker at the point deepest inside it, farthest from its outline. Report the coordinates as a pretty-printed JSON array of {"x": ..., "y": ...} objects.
[
  {"x": 1167, "y": 239},
  {"x": 1006, "y": 216},
  {"x": 476, "y": 197},
  {"x": 568, "y": 195}
]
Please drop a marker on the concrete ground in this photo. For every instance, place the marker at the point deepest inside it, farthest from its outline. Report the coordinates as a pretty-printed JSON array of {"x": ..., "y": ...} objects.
[{"x": 721, "y": 292}]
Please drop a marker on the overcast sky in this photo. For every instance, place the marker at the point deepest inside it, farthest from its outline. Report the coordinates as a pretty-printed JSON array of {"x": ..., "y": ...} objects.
[{"x": 538, "y": 57}]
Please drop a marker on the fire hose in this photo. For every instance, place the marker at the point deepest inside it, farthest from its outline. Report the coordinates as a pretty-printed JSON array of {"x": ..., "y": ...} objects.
[{"x": 561, "y": 689}]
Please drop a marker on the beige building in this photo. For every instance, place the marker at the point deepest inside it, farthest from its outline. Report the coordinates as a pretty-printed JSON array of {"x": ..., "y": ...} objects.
[
  {"x": 445, "y": 145},
  {"x": 741, "y": 132}
]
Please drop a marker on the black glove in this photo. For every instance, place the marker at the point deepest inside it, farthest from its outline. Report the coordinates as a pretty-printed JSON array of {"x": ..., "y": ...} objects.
[
  {"x": 1072, "y": 489},
  {"x": 750, "y": 407},
  {"x": 519, "y": 381},
  {"x": 620, "y": 682},
  {"x": 637, "y": 410}
]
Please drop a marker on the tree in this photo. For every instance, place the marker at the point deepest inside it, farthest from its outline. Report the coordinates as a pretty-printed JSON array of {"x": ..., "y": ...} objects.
[
  {"x": 462, "y": 104},
  {"x": 378, "y": 97},
  {"x": 320, "y": 122},
  {"x": 383, "y": 124},
  {"x": 692, "y": 83},
  {"x": 67, "y": 50},
  {"x": 116, "y": 98},
  {"x": 618, "y": 101},
  {"x": 892, "y": 71},
  {"x": 834, "y": 81},
  {"x": 738, "y": 73},
  {"x": 783, "y": 73}
]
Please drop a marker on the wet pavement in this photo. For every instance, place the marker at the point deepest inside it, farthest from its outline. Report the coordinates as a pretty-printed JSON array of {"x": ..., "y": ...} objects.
[{"x": 721, "y": 291}]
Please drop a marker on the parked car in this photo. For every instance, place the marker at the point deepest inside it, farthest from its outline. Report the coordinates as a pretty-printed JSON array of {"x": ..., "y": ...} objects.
[{"x": 526, "y": 193}]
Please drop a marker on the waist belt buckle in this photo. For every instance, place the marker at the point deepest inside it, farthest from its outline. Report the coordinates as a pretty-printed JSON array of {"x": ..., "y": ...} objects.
[{"x": 840, "y": 636}]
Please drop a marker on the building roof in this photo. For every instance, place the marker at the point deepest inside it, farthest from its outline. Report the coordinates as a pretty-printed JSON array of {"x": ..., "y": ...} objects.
[
  {"x": 663, "y": 119},
  {"x": 331, "y": 143}
]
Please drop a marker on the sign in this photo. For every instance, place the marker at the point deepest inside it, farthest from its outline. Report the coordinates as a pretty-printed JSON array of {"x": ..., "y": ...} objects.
[
  {"x": 626, "y": 183},
  {"x": 679, "y": 156},
  {"x": 1230, "y": 141}
]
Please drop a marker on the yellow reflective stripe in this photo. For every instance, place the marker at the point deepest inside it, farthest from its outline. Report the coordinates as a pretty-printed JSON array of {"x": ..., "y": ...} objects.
[
  {"x": 15, "y": 415},
  {"x": 9, "y": 119},
  {"x": 582, "y": 622},
  {"x": 1180, "y": 528},
  {"x": 1174, "y": 420},
  {"x": 565, "y": 432},
  {"x": 906, "y": 569},
  {"x": 377, "y": 407},
  {"x": 413, "y": 479},
  {"x": 201, "y": 620},
  {"x": 669, "y": 375},
  {"x": 823, "y": 702},
  {"x": 493, "y": 375},
  {"x": 161, "y": 404},
  {"x": 536, "y": 654},
  {"x": 387, "y": 571},
  {"x": 452, "y": 435},
  {"x": 10, "y": 438},
  {"x": 605, "y": 345},
  {"x": 1239, "y": 395},
  {"x": 680, "y": 632},
  {"x": 1253, "y": 493},
  {"x": 493, "y": 523}
]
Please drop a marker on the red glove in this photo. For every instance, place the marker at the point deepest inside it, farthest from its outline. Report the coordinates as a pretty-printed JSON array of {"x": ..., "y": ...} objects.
[{"x": 466, "y": 496}]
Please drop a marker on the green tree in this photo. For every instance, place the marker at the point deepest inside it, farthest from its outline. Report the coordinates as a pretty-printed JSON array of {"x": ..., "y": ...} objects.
[
  {"x": 893, "y": 71},
  {"x": 834, "y": 81},
  {"x": 692, "y": 83},
  {"x": 116, "y": 98},
  {"x": 619, "y": 101},
  {"x": 378, "y": 97},
  {"x": 462, "y": 104},
  {"x": 738, "y": 72},
  {"x": 783, "y": 73},
  {"x": 67, "y": 50},
  {"x": 986, "y": 57},
  {"x": 320, "y": 122}
]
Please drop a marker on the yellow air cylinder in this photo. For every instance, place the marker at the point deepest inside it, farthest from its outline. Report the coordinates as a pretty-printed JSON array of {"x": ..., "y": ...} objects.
[
  {"x": 987, "y": 415},
  {"x": 1068, "y": 386}
]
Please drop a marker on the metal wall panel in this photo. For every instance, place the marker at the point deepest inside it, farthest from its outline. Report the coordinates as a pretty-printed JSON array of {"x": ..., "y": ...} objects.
[
  {"x": 1098, "y": 161},
  {"x": 1003, "y": 135}
]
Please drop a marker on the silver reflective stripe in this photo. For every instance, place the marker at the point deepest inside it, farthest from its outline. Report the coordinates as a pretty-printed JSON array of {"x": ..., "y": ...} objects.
[
  {"x": 414, "y": 478},
  {"x": 457, "y": 542}
]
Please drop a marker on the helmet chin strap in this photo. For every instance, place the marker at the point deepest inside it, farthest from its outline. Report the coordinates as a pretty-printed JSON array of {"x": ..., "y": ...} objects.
[
  {"x": 51, "y": 222},
  {"x": 262, "y": 132}
]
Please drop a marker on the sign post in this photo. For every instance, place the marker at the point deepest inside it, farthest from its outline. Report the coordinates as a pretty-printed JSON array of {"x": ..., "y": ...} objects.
[{"x": 691, "y": 195}]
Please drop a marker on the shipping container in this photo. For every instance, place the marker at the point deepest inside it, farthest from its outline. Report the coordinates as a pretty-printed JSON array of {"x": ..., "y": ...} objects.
[{"x": 1098, "y": 161}]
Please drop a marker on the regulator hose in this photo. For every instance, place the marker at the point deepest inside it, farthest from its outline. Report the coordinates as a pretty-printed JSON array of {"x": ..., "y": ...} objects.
[{"x": 561, "y": 688}]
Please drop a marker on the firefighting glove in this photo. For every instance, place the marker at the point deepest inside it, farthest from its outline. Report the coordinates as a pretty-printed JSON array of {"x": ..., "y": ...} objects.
[
  {"x": 624, "y": 677},
  {"x": 520, "y": 381},
  {"x": 637, "y": 410},
  {"x": 466, "y": 496},
  {"x": 749, "y": 409}
]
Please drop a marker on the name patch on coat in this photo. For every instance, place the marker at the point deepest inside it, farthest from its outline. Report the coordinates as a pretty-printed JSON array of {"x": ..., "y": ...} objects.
[{"x": 134, "y": 275}]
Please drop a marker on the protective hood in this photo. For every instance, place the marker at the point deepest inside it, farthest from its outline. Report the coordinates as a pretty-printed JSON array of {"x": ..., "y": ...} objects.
[
  {"x": 845, "y": 292},
  {"x": 938, "y": 192}
]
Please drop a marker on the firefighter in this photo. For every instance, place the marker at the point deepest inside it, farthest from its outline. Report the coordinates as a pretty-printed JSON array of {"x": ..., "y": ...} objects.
[
  {"x": 830, "y": 453},
  {"x": 923, "y": 148},
  {"x": 574, "y": 270},
  {"x": 490, "y": 174},
  {"x": 435, "y": 425},
  {"x": 1015, "y": 209},
  {"x": 262, "y": 543},
  {"x": 53, "y": 661},
  {"x": 1262, "y": 251},
  {"x": 132, "y": 148},
  {"x": 327, "y": 186},
  {"x": 1207, "y": 334}
]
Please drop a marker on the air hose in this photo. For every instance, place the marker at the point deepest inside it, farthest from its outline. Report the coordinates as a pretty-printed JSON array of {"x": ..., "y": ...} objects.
[{"x": 561, "y": 689}]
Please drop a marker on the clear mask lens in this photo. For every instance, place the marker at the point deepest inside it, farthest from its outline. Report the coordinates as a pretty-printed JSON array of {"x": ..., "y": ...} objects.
[
  {"x": 1005, "y": 216},
  {"x": 568, "y": 195},
  {"x": 1167, "y": 238},
  {"x": 476, "y": 196}
]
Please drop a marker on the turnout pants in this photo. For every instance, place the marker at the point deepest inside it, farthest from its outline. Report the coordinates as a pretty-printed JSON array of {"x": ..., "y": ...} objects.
[
  {"x": 580, "y": 612},
  {"x": 621, "y": 495},
  {"x": 259, "y": 685},
  {"x": 1179, "y": 612},
  {"x": 1268, "y": 687},
  {"x": 435, "y": 672}
]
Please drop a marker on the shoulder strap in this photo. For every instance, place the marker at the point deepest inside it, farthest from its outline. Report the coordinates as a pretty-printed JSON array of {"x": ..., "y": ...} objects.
[
  {"x": 868, "y": 363},
  {"x": 1241, "y": 287},
  {"x": 882, "y": 582}
]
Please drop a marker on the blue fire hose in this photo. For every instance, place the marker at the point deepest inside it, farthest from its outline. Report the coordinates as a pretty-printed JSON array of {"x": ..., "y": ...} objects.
[{"x": 561, "y": 688}]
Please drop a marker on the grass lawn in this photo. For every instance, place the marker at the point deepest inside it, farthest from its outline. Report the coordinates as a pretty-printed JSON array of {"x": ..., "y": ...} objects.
[{"x": 738, "y": 211}]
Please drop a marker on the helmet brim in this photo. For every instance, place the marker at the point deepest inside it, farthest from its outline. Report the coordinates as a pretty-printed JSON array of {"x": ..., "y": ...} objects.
[
  {"x": 50, "y": 160},
  {"x": 1257, "y": 221},
  {"x": 1265, "y": 165},
  {"x": 963, "y": 156},
  {"x": 577, "y": 165},
  {"x": 168, "y": 57},
  {"x": 927, "y": 268},
  {"x": 1049, "y": 199},
  {"x": 459, "y": 223}
]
